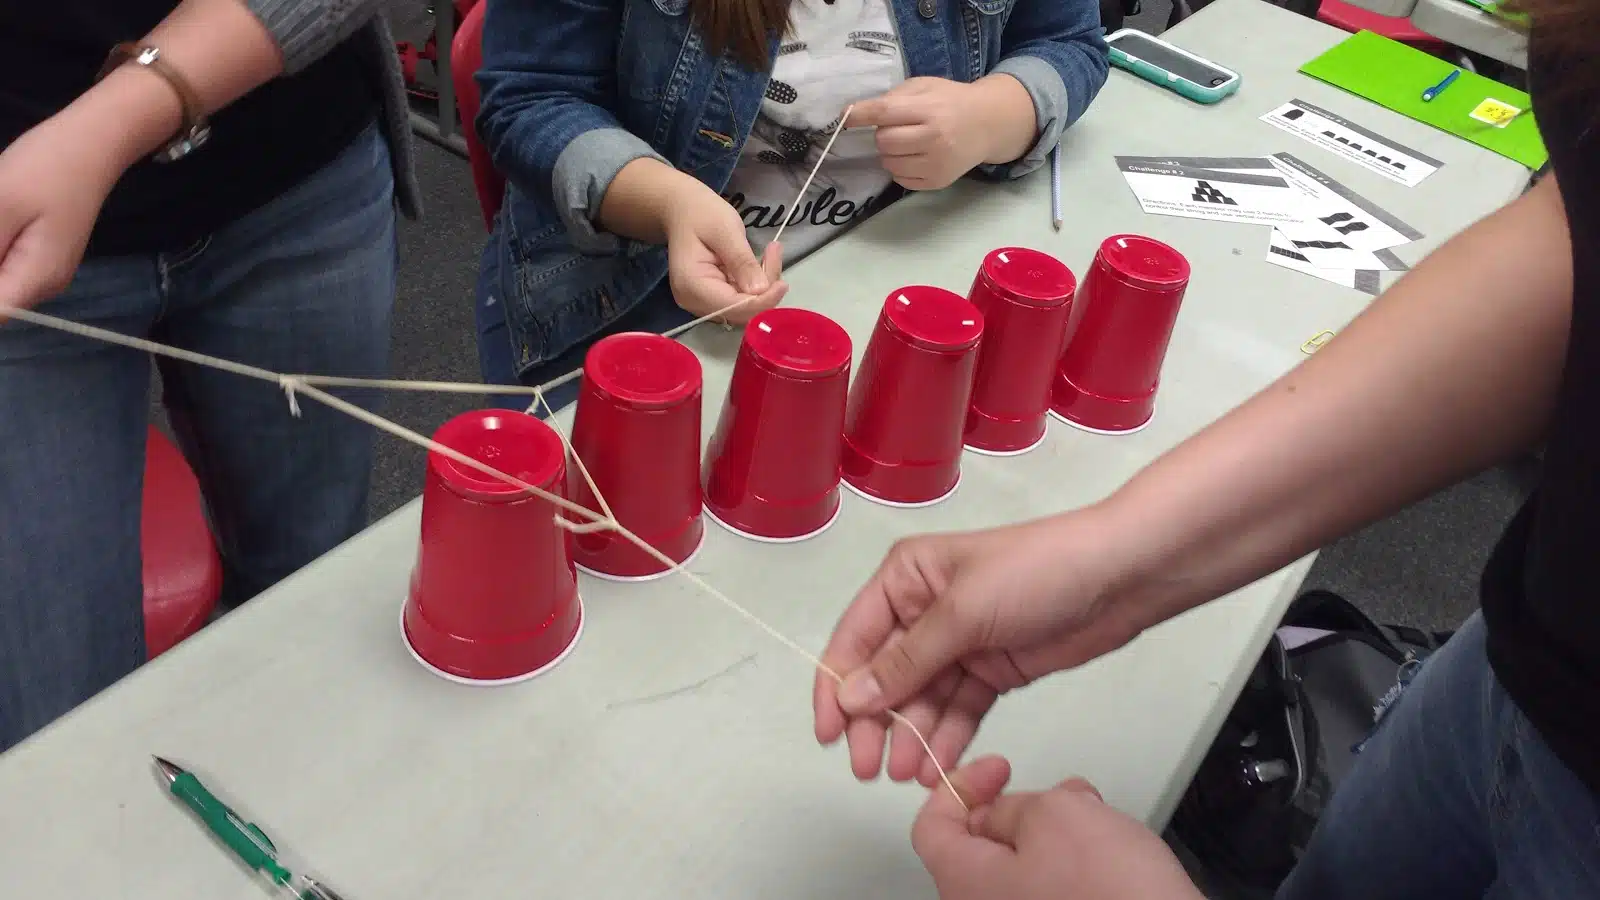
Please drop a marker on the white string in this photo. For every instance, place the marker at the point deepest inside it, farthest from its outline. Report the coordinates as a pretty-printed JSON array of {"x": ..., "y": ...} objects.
[
  {"x": 800, "y": 198},
  {"x": 590, "y": 521}
]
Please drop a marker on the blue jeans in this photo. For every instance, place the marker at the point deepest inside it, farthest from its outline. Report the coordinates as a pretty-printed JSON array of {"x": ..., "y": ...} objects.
[
  {"x": 655, "y": 313},
  {"x": 1455, "y": 797},
  {"x": 305, "y": 284}
]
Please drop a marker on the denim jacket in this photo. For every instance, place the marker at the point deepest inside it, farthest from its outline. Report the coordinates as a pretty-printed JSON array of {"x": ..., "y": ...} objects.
[{"x": 573, "y": 90}]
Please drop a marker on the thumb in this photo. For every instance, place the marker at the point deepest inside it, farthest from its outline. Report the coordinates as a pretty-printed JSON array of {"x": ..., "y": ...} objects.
[
  {"x": 1002, "y": 821},
  {"x": 732, "y": 249},
  {"x": 1078, "y": 785},
  {"x": 934, "y": 642},
  {"x": 20, "y": 280}
]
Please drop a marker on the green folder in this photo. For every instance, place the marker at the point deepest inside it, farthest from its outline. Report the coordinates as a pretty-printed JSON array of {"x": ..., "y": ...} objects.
[{"x": 1394, "y": 75}]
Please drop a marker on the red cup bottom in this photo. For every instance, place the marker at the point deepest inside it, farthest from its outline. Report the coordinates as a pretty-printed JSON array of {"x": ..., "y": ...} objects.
[
  {"x": 900, "y": 504},
  {"x": 407, "y": 623},
  {"x": 1098, "y": 414},
  {"x": 788, "y": 539},
  {"x": 700, "y": 544},
  {"x": 991, "y": 436}
]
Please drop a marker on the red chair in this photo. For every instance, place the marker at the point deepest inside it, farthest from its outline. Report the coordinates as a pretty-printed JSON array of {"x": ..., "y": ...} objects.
[
  {"x": 466, "y": 57},
  {"x": 182, "y": 571},
  {"x": 1346, "y": 17}
]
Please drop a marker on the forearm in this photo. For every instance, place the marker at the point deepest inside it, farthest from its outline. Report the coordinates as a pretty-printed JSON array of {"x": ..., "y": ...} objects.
[
  {"x": 1053, "y": 50},
  {"x": 220, "y": 48},
  {"x": 639, "y": 200},
  {"x": 1454, "y": 369},
  {"x": 1008, "y": 119}
]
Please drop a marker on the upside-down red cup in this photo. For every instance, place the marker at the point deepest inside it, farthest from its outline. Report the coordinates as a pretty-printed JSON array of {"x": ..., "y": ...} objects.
[
  {"x": 494, "y": 596},
  {"x": 772, "y": 467},
  {"x": 1026, "y": 299},
  {"x": 637, "y": 432},
  {"x": 1108, "y": 376},
  {"x": 908, "y": 406}
]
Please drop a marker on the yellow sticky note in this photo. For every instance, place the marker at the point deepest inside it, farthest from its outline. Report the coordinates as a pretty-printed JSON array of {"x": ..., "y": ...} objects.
[{"x": 1495, "y": 112}]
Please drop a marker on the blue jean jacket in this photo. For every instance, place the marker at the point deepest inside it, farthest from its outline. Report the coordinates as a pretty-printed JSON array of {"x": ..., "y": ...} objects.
[{"x": 573, "y": 90}]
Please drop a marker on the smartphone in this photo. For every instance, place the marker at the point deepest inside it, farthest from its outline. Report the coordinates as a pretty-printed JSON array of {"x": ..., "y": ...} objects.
[{"x": 1177, "y": 70}]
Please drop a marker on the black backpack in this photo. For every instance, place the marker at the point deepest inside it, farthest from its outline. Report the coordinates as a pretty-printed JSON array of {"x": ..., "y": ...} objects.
[{"x": 1325, "y": 679}]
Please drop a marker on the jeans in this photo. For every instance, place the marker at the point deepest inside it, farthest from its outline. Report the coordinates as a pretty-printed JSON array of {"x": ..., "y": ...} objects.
[
  {"x": 655, "y": 313},
  {"x": 303, "y": 285},
  {"x": 1455, "y": 797}
]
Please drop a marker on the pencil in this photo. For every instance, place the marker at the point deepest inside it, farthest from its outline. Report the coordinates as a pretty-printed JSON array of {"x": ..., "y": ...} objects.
[{"x": 1055, "y": 188}]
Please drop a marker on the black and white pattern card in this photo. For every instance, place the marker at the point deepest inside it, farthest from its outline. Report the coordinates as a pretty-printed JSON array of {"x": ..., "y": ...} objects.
[
  {"x": 1282, "y": 252},
  {"x": 1327, "y": 248},
  {"x": 1349, "y": 140},
  {"x": 1364, "y": 224},
  {"x": 1253, "y": 197}
]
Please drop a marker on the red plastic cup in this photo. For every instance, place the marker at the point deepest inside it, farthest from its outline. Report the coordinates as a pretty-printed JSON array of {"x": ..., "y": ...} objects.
[
  {"x": 772, "y": 468},
  {"x": 908, "y": 406},
  {"x": 1108, "y": 376},
  {"x": 637, "y": 430},
  {"x": 494, "y": 597},
  {"x": 1026, "y": 299}
]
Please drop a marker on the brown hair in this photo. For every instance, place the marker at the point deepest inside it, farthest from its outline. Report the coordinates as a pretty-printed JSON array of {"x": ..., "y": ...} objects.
[
  {"x": 742, "y": 28},
  {"x": 1564, "y": 25}
]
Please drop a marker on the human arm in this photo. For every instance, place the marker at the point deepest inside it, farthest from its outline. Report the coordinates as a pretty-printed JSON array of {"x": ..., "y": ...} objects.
[
  {"x": 55, "y": 177},
  {"x": 1454, "y": 368},
  {"x": 550, "y": 90},
  {"x": 1054, "y": 50},
  {"x": 932, "y": 131}
]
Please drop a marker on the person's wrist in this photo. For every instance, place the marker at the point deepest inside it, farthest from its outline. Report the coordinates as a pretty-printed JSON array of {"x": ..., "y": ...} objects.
[
  {"x": 680, "y": 199},
  {"x": 1140, "y": 580},
  {"x": 1006, "y": 123},
  {"x": 123, "y": 119}
]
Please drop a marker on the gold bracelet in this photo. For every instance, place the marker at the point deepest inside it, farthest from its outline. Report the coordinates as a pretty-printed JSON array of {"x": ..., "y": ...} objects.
[{"x": 195, "y": 129}]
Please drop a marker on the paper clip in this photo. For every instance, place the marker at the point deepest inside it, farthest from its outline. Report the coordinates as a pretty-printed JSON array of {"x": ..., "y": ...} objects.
[{"x": 1315, "y": 342}]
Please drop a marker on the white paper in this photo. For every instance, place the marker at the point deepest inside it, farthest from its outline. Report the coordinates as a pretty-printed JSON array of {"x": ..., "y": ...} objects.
[
  {"x": 1281, "y": 252},
  {"x": 1326, "y": 248},
  {"x": 1343, "y": 137},
  {"x": 1264, "y": 198},
  {"x": 1363, "y": 224}
]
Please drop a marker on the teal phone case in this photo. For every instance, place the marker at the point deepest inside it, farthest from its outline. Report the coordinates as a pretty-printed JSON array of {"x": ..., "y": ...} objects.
[{"x": 1199, "y": 93}]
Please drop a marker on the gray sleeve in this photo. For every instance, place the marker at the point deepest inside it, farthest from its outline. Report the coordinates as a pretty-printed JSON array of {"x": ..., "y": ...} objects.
[
  {"x": 583, "y": 173},
  {"x": 1050, "y": 104},
  {"x": 305, "y": 30}
]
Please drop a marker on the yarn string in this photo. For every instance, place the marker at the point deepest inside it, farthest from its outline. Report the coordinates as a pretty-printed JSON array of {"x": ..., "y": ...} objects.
[{"x": 589, "y": 520}]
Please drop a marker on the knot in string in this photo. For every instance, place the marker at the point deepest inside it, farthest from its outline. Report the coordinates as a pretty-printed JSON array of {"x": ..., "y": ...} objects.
[{"x": 291, "y": 385}]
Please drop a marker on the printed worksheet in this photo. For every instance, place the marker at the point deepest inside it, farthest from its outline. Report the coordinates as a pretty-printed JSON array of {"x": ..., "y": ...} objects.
[
  {"x": 1327, "y": 248},
  {"x": 1349, "y": 140},
  {"x": 1258, "y": 198},
  {"x": 1282, "y": 252},
  {"x": 1363, "y": 224}
]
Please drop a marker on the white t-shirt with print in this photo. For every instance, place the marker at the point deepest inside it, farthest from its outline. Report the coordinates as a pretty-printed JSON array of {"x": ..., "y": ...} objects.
[{"x": 837, "y": 52}]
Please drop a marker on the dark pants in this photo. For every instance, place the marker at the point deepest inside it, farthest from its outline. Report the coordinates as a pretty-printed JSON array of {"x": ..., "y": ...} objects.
[
  {"x": 1455, "y": 798},
  {"x": 305, "y": 284}
]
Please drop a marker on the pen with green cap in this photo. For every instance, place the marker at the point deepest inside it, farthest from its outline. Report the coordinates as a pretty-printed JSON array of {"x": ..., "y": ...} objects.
[{"x": 247, "y": 841}]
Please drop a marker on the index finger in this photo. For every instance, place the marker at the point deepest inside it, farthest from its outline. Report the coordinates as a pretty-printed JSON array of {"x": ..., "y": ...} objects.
[{"x": 883, "y": 110}]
